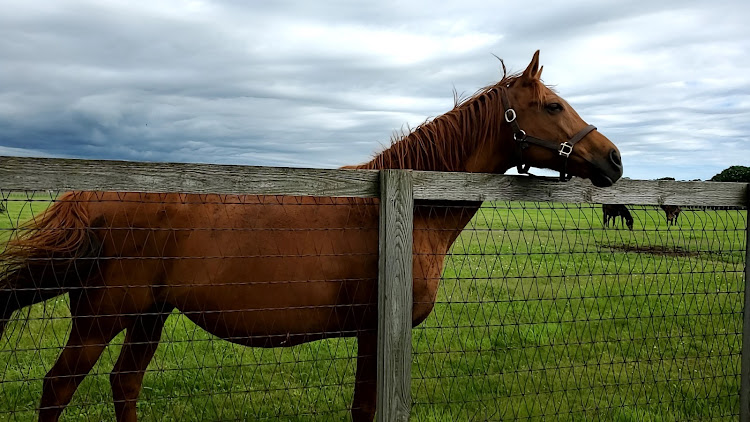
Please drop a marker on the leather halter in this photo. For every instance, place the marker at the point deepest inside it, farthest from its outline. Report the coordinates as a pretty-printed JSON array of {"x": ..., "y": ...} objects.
[{"x": 563, "y": 149}]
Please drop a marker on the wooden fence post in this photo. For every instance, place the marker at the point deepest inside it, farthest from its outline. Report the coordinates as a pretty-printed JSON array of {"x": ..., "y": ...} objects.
[
  {"x": 745, "y": 359},
  {"x": 395, "y": 295}
]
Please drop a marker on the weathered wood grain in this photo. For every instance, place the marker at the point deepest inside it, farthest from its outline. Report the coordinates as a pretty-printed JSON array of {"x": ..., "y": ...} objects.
[
  {"x": 395, "y": 296},
  {"x": 491, "y": 187},
  {"x": 20, "y": 173}
]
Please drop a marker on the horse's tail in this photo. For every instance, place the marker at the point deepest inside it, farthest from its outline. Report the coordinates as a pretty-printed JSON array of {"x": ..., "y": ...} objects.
[{"x": 53, "y": 251}]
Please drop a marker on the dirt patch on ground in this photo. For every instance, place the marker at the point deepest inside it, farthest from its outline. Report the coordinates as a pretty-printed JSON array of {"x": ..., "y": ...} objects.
[{"x": 654, "y": 250}]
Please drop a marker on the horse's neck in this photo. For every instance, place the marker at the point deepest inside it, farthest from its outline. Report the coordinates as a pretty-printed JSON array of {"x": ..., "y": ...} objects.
[
  {"x": 469, "y": 138},
  {"x": 443, "y": 221}
]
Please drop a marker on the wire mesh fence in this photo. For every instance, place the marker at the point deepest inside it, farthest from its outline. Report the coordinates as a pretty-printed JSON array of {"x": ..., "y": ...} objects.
[{"x": 546, "y": 313}]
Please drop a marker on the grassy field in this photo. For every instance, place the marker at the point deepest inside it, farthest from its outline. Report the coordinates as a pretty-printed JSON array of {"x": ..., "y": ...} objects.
[{"x": 542, "y": 315}]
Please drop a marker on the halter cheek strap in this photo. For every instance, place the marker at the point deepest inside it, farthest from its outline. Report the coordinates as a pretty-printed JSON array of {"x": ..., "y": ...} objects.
[{"x": 524, "y": 141}]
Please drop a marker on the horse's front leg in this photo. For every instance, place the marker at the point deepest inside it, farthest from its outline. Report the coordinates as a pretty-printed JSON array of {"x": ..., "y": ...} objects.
[{"x": 365, "y": 381}]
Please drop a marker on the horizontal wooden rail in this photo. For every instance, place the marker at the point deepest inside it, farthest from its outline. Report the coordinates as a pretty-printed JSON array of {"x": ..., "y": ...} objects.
[
  {"x": 21, "y": 173},
  {"x": 490, "y": 187}
]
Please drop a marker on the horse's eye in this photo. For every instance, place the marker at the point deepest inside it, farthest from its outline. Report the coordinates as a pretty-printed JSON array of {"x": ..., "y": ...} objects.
[{"x": 554, "y": 108}]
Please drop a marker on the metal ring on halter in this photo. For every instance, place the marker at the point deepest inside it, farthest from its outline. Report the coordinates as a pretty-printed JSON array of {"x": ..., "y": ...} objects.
[
  {"x": 510, "y": 115},
  {"x": 520, "y": 135},
  {"x": 565, "y": 149}
]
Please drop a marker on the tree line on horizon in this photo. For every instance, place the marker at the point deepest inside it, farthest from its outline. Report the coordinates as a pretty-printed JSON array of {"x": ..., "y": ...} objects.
[{"x": 731, "y": 174}]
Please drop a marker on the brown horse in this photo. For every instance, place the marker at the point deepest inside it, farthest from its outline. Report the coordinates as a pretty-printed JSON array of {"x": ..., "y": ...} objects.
[
  {"x": 671, "y": 212},
  {"x": 612, "y": 211},
  {"x": 273, "y": 271}
]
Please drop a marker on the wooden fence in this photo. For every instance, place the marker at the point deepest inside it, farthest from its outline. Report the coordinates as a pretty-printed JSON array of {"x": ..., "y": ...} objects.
[{"x": 397, "y": 190}]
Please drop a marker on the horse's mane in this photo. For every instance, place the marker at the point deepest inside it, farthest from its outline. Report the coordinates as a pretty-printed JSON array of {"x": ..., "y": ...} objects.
[{"x": 445, "y": 142}]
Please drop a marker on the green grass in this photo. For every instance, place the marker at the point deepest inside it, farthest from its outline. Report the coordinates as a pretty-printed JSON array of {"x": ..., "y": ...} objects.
[
  {"x": 575, "y": 327},
  {"x": 19, "y": 208},
  {"x": 541, "y": 315}
]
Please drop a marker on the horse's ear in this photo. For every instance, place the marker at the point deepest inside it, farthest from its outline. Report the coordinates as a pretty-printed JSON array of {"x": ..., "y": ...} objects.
[
  {"x": 539, "y": 74},
  {"x": 533, "y": 69}
]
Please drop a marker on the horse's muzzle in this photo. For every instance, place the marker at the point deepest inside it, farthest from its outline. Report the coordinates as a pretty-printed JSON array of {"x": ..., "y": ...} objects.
[{"x": 608, "y": 171}]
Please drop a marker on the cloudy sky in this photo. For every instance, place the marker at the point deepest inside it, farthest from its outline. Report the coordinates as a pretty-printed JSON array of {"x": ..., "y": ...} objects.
[{"x": 324, "y": 84}]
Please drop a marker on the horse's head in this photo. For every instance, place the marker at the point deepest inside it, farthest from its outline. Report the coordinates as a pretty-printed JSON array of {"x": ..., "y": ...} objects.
[{"x": 548, "y": 133}]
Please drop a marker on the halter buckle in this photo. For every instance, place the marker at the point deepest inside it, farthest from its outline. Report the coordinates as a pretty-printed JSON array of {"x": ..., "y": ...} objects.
[
  {"x": 520, "y": 136},
  {"x": 565, "y": 149},
  {"x": 510, "y": 115}
]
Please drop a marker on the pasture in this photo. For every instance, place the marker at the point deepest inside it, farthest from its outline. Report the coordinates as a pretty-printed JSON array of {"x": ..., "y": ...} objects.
[{"x": 541, "y": 315}]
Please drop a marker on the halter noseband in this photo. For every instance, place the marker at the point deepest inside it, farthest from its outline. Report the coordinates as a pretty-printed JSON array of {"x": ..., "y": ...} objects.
[{"x": 564, "y": 149}]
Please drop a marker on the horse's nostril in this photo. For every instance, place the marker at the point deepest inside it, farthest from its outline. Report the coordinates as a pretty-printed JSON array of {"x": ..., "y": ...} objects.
[{"x": 615, "y": 158}]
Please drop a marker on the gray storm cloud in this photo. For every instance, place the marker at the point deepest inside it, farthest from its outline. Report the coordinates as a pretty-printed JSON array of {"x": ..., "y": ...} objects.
[{"x": 327, "y": 84}]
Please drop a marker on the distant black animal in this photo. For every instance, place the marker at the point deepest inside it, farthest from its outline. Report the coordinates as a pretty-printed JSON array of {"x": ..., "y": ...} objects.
[
  {"x": 672, "y": 211},
  {"x": 612, "y": 211}
]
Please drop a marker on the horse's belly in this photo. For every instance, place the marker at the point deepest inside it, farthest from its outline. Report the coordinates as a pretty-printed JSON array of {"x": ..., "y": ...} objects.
[
  {"x": 277, "y": 301},
  {"x": 275, "y": 328}
]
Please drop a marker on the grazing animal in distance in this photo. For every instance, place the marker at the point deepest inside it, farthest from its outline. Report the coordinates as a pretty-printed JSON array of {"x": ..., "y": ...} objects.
[
  {"x": 672, "y": 212},
  {"x": 612, "y": 211},
  {"x": 267, "y": 272}
]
